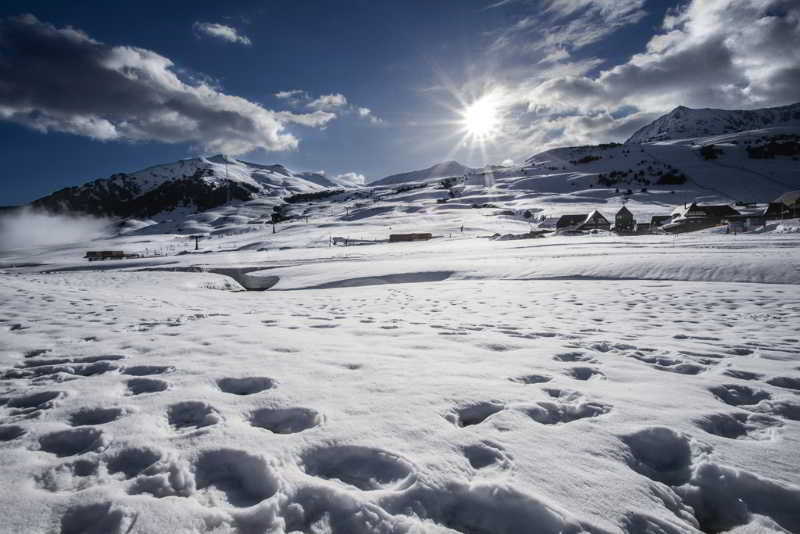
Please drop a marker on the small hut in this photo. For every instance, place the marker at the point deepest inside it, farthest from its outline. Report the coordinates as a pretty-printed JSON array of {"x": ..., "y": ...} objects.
[{"x": 395, "y": 238}]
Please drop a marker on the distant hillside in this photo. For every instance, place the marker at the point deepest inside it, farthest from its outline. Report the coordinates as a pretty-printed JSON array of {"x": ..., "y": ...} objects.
[
  {"x": 683, "y": 122},
  {"x": 197, "y": 184},
  {"x": 440, "y": 170}
]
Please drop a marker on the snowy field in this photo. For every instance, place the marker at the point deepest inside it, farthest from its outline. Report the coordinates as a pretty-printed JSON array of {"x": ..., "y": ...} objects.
[{"x": 597, "y": 384}]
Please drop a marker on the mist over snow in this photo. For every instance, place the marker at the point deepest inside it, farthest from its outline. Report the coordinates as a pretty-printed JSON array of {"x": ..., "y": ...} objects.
[{"x": 30, "y": 228}]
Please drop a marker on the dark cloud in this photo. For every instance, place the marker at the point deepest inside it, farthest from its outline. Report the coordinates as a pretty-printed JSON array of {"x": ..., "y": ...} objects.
[{"x": 60, "y": 79}]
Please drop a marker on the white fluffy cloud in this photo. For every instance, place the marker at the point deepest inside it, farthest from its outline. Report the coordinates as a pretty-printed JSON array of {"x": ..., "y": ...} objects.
[
  {"x": 60, "y": 79},
  {"x": 221, "y": 31},
  {"x": 715, "y": 53},
  {"x": 331, "y": 105},
  {"x": 327, "y": 102}
]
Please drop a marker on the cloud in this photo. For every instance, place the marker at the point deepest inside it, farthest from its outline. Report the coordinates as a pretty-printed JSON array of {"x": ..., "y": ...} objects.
[
  {"x": 714, "y": 53},
  {"x": 366, "y": 113},
  {"x": 293, "y": 93},
  {"x": 327, "y": 102},
  {"x": 331, "y": 105},
  {"x": 561, "y": 26},
  {"x": 351, "y": 178},
  {"x": 28, "y": 228},
  {"x": 221, "y": 31},
  {"x": 707, "y": 53},
  {"x": 315, "y": 119},
  {"x": 62, "y": 80}
]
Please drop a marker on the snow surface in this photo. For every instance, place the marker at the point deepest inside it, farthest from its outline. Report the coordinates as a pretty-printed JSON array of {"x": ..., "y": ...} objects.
[
  {"x": 568, "y": 384},
  {"x": 475, "y": 383}
]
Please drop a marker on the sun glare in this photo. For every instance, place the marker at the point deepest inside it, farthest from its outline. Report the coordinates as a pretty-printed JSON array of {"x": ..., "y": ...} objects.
[{"x": 481, "y": 119}]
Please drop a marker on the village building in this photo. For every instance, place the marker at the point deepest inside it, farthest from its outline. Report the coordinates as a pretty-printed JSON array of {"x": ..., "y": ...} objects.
[
  {"x": 786, "y": 206},
  {"x": 582, "y": 222},
  {"x": 695, "y": 217},
  {"x": 643, "y": 228},
  {"x": 658, "y": 220},
  {"x": 624, "y": 223},
  {"x": 395, "y": 238},
  {"x": 596, "y": 221},
  {"x": 566, "y": 222}
]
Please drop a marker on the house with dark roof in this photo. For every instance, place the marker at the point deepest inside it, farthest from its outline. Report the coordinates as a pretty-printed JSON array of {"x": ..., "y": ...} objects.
[
  {"x": 570, "y": 221},
  {"x": 595, "y": 221},
  {"x": 696, "y": 217},
  {"x": 657, "y": 220},
  {"x": 779, "y": 210},
  {"x": 582, "y": 223},
  {"x": 624, "y": 223}
]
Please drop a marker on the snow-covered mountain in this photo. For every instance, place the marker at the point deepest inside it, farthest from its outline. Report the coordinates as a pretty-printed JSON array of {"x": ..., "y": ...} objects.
[
  {"x": 683, "y": 122},
  {"x": 198, "y": 183},
  {"x": 440, "y": 170}
]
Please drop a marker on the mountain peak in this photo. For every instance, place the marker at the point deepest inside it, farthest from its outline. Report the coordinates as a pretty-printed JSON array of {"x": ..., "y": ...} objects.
[
  {"x": 437, "y": 170},
  {"x": 683, "y": 122}
]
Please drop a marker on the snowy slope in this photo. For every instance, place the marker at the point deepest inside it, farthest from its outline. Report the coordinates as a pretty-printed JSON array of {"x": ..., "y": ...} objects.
[
  {"x": 440, "y": 170},
  {"x": 664, "y": 167},
  {"x": 683, "y": 122},
  {"x": 197, "y": 183}
]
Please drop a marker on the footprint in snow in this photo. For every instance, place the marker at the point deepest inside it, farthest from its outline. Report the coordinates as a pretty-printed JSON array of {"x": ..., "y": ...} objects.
[
  {"x": 365, "y": 468},
  {"x": 138, "y": 386},
  {"x": 737, "y": 395},
  {"x": 192, "y": 414},
  {"x": 74, "y": 441},
  {"x": 584, "y": 373},
  {"x": 486, "y": 455},
  {"x": 246, "y": 385},
  {"x": 146, "y": 370},
  {"x": 285, "y": 420},
  {"x": 96, "y": 518},
  {"x": 474, "y": 413},
  {"x": 95, "y": 416},
  {"x": 786, "y": 382},
  {"x": 230, "y": 477},
  {"x": 751, "y": 426}
]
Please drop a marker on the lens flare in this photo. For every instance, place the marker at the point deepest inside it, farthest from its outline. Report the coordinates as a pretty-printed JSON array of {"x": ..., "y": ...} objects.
[{"x": 481, "y": 119}]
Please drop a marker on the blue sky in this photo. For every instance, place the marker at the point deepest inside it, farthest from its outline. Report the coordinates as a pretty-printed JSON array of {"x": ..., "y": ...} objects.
[{"x": 88, "y": 89}]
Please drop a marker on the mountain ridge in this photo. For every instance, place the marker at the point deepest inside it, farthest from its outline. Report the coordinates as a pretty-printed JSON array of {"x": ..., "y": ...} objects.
[
  {"x": 683, "y": 122},
  {"x": 438, "y": 170}
]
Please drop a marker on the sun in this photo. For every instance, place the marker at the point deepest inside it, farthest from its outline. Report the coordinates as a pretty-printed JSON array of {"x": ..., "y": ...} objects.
[{"x": 481, "y": 118}]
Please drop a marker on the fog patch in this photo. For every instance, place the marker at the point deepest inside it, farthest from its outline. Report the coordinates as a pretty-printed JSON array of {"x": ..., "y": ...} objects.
[{"x": 28, "y": 228}]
